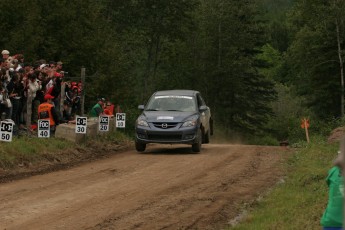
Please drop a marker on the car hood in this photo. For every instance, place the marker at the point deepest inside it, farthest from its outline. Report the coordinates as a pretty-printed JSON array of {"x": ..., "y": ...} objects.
[{"x": 167, "y": 116}]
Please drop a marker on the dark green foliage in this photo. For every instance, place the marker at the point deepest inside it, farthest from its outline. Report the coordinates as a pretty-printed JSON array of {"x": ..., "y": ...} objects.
[
  {"x": 314, "y": 57},
  {"x": 232, "y": 37}
]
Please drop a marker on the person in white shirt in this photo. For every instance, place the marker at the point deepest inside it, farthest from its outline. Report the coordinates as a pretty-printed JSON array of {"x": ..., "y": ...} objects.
[{"x": 33, "y": 86}]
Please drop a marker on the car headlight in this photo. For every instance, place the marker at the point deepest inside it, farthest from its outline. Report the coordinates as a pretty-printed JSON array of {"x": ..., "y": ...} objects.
[
  {"x": 142, "y": 122},
  {"x": 193, "y": 121}
]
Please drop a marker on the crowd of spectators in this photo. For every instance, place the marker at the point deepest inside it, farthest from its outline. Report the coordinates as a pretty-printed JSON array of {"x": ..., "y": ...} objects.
[{"x": 22, "y": 82}]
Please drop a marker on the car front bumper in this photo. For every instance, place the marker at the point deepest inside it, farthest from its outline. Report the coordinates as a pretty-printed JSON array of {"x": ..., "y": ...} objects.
[{"x": 175, "y": 135}]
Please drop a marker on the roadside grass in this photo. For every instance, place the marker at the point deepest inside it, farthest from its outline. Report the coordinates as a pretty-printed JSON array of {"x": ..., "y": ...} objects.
[
  {"x": 117, "y": 137},
  {"x": 26, "y": 149},
  {"x": 299, "y": 202},
  {"x": 34, "y": 150}
]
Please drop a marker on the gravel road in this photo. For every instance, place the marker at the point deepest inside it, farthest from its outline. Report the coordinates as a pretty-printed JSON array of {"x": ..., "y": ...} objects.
[{"x": 167, "y": 187}]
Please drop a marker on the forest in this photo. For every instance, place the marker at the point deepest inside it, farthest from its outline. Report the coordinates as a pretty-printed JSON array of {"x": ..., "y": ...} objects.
[{"x": 261, "y": 65}]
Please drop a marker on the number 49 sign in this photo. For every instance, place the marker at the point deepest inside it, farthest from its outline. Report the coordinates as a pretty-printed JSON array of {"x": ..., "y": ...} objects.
[{"x": 120, "y": 120}]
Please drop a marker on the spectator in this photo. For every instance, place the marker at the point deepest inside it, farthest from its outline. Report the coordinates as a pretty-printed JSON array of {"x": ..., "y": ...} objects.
[
  {"x": 59, "y": 67},
  {"x": 66, "y": 114},
  {"x": 75, "y": 101},
  {"x": 20, "y": 58},
  {"x": 47, "y": 111},
  {"x": 52, "y": 64},
  {"x": 15, "y": 88},
  {"x": 33, "y": 86},
  {"x": 5, "y": 55},
  {"x": 97, "y": 109},
  {"x": 109, "y": 109},
  {"x": 5, "y": 105},
  {"x": 332, "y": 218},
  {"x": 56, "y": 90},
  {"x": 23, "y": 101}
]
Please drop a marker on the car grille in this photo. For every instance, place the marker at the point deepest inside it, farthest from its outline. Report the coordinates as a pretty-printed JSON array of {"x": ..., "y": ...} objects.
[
  {"x": 165, "y": 125},
  {"x": 160, "y": 137}
]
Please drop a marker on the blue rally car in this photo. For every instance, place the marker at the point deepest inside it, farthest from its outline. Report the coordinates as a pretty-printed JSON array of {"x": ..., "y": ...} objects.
[{"x": 174, "y": 117}]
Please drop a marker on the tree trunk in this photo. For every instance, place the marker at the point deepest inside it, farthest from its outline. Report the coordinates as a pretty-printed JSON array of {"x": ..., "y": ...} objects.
[
  {"x": 341, "y": 65},
  {"x": 219, "y": 44}
]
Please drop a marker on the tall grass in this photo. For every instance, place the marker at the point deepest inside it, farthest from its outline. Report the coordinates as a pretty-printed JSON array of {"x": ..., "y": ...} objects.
[
  {"x": 300, "y": 201},
  {"x": 27, "y": 149},
  {"x": 33, "y": 149}
]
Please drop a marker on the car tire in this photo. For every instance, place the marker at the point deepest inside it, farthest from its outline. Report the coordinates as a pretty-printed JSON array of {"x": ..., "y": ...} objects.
[
  {"x": 196, "y": 147},
  {"x": 207, "y": 137},
  {"x": 140, "y": 147}
]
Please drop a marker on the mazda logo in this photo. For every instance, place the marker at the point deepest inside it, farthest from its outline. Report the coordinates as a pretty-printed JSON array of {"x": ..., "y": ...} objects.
[{"x": 164, "y": 125}]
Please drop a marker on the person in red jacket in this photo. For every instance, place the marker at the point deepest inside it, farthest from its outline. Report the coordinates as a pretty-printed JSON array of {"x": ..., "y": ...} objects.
[{"x": 46, "y": 111}]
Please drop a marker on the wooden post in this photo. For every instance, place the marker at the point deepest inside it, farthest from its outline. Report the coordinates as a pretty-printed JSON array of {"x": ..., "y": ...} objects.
[
  {"x": 82, "y": 98},
  {"x": 305, "y": 126},
  {"x": 306, "y": 129}
]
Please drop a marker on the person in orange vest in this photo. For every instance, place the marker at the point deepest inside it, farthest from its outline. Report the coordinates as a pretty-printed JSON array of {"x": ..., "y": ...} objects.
[
  {"x": 46, "y": 111},
  {"x": 109, "y": 109}
]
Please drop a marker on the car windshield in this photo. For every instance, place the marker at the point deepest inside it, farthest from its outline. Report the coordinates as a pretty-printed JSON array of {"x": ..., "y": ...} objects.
[{"x": 171, "y": 103}]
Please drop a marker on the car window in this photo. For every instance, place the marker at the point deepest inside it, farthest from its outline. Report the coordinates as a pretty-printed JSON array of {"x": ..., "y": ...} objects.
[{"x": 171, "y": 103}]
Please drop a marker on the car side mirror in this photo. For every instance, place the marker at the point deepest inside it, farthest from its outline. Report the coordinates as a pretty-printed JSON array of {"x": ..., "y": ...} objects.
[
  {"x": 141, "y": 107},
  {"x": 203, "y": 108}
]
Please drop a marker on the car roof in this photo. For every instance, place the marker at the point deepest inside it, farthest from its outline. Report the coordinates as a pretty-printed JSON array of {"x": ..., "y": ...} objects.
[{"x": 179, "y": 92}]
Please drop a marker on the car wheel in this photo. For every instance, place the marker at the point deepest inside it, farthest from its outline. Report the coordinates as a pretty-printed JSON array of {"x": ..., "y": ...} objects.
[
  {"x": 196, "y": 147},
  {"x": 207, "y": 137},
  {"x": 140, "y": 147}
]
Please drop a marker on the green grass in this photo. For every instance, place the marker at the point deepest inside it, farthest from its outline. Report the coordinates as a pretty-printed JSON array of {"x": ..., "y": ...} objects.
[
  {"x": 300, "y": 201},
  {"x": 29, "y": 150},
  {"x": 32, "y": 149}
]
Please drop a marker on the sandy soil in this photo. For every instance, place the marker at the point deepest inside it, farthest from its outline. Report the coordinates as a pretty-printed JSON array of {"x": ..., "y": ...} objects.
[{"x": 168, "y": 187}]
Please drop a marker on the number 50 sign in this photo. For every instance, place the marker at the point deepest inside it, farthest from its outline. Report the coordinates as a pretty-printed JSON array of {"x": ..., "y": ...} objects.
[
  {"x": 6, "y": 131},
  {"x": 120, "y": 120}
]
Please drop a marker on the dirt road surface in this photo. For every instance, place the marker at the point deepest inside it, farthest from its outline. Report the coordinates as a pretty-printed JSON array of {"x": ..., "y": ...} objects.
[{"x": 168, "y": 187}]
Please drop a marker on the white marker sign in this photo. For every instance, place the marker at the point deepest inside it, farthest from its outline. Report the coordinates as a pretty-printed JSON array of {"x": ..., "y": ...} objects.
[
  {"x": 80, "y": 125},
  {"x": 6, "y": 131},
  {"x": 44, "y": 128},
  {"x": 120, "y": 120},
  {"x": 103, "y": 123}
]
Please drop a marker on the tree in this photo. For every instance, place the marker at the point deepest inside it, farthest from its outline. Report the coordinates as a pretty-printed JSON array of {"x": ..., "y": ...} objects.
[
  {"x": 233, "y": 35},
  {"x": 316, "y": 55}
]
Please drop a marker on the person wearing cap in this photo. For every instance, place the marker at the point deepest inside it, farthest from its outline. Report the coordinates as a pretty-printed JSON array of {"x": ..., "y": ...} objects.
[
  {"x": 46, "y": 111},
  {"x": 97, "y": 109},
  {"x": 5, "y": 55},
  {"x": 332, "y": 218}
]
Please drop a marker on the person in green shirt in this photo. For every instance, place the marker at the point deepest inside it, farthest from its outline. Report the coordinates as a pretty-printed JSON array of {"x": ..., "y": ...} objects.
[
  {"x": 332, "y": 218},
  {"x": 97, "y": 109}
]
